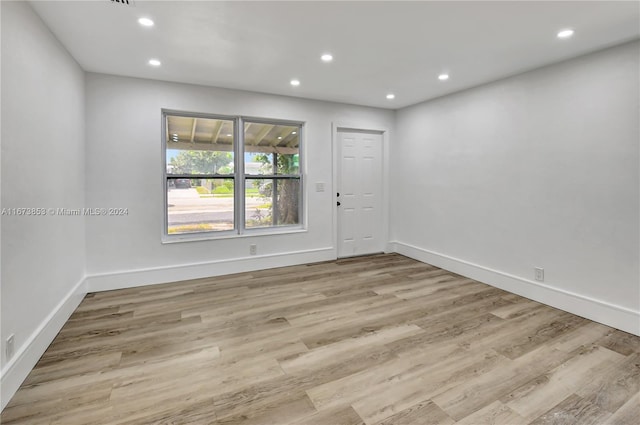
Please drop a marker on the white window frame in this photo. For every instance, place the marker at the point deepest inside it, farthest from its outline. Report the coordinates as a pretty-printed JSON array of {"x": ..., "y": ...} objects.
[{"x": 239, "y": 177}]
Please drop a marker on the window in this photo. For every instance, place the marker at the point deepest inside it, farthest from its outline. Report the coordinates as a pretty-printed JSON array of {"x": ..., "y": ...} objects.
[
  {"x": 272, "y": 174},
  {"x": 219, "y": 180}
]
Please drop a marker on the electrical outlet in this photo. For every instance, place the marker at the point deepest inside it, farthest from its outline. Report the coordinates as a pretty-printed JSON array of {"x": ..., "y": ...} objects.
[
  {"x": 539, "y": 274},
  {"x": 253, "y": 249},
  {"x": 10, "y": 346}
]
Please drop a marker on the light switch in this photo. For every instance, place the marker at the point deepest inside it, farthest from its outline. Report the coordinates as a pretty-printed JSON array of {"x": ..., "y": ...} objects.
[{"x": 320, "y": 187}]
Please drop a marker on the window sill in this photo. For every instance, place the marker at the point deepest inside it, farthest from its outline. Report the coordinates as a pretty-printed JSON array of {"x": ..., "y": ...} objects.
[{"x": 208, "y": 236}]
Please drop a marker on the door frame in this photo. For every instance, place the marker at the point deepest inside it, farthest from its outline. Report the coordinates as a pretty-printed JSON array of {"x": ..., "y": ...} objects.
[{"x": 340, "y": 126}]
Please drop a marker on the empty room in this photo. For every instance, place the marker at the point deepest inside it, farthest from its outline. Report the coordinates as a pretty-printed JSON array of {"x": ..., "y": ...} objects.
[{"x": 320, "y": 212}]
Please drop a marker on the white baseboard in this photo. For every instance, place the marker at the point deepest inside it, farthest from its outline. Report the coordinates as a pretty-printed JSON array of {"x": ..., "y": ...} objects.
[
  {"x": 599, "y": 311},
  {"x": 157, "y": 275},
  {"x": 27, "y": 355}
]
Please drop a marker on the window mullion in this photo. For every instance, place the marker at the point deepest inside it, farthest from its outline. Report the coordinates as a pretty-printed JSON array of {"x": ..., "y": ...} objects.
[{"x": 239, "y": 198}]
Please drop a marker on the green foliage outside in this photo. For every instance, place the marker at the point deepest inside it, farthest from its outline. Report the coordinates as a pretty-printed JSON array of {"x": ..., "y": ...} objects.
[
  {"x": 202, "y": 190},
  {"x": 287, "y": 190},
  {"x": 221, "y": 190},
  {"x": 202, "y": 162}
]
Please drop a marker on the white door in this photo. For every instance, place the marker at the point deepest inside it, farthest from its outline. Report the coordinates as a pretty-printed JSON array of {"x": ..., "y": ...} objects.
[{"x": 359, "y": 193}]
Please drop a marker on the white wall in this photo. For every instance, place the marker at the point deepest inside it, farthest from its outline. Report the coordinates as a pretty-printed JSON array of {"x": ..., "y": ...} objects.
[
  {"x": 124, "y": 169},
  {"x": 42, "y": 166},
  {"x": 538, "y": 170}
]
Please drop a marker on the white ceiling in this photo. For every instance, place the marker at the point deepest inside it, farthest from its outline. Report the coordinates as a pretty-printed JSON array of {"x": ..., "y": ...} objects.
[{"x": 378, "y": 47}]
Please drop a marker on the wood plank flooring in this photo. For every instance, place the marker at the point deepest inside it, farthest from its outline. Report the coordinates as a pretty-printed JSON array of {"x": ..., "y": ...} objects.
[{"x": 380, "y": 340}]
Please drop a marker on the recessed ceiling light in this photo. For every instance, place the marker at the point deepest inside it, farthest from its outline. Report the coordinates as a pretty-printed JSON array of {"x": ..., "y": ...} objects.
[
  {"x": 154, "y": 62},
  {"x": 327, "y": 57},
  {"x": 279, "y": 137},
  {"x": 229, "y": 135},
  {"x": 565, "y": 33},
  {"x": 391, "y": 96},
  {"x": 443, "y": 77},
  {"x": 145, "y": 22},
  {"x": 294, "y": 132},
  {"x": 295, "y": 82}
]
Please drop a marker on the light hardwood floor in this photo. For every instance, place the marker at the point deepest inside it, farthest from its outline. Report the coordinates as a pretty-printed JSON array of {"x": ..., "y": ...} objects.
[{"x": 373, "y": 340}]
